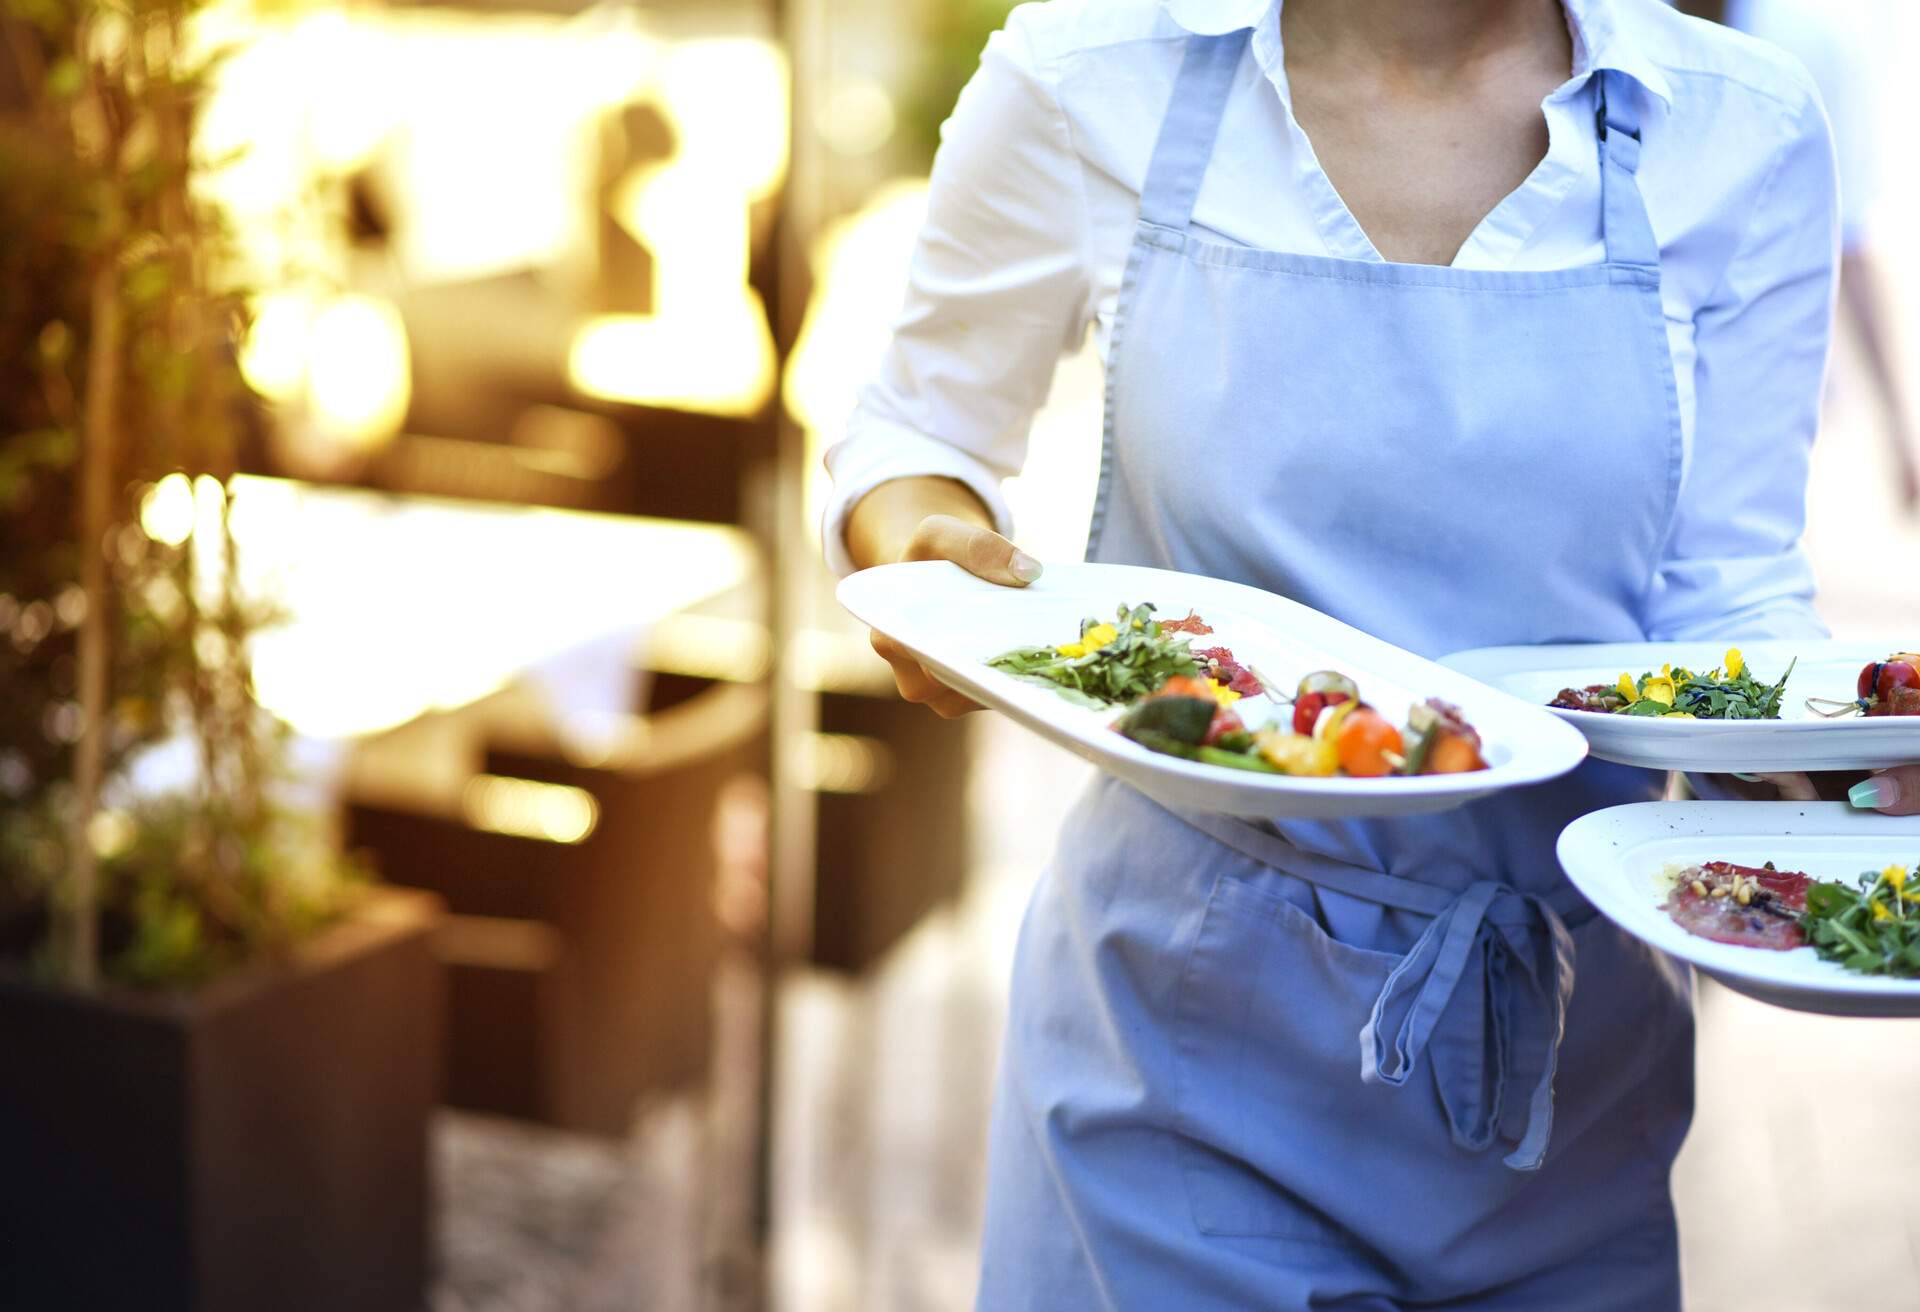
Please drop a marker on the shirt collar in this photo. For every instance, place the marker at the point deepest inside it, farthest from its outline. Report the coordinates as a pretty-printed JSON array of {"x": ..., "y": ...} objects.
[{"x": 1600, "y": 39}]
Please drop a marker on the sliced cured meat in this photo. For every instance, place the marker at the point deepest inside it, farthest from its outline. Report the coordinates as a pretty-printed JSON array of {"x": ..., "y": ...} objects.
[
  {"x": 1191, "y": 624},
  {"x": 1749, "y": 906},
  {"x": 1593, "y": 697},
  {"x": 1218, "y": 664}
]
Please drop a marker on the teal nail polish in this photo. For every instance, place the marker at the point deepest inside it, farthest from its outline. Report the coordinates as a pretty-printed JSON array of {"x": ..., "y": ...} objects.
[{"x": 1873, "y": 793}]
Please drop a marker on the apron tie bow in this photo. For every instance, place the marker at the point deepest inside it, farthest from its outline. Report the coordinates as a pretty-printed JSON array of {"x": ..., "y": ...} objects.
[{"x": 1521, "y": 963}]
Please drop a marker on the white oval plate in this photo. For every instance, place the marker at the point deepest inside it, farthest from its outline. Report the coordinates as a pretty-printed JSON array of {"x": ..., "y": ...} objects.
[
  {"x": 954, "y": 623},
  {"x": 1798, "y": 740},
  {"x": 1619, "y": 857}
]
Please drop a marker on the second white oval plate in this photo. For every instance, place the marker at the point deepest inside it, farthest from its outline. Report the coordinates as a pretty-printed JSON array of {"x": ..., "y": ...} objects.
[
  {"x": 1619, "y": 858},
  {"x": 954, "y": 623},
  {"x": 1798, "y": 740}
]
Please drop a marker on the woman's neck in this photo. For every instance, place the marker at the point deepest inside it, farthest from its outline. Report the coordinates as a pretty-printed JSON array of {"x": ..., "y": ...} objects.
[{"x": 1419, "y": 36}]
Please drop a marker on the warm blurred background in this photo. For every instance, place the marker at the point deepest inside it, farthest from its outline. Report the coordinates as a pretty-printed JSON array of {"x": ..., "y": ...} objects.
[{"x": 453, "y": 376}]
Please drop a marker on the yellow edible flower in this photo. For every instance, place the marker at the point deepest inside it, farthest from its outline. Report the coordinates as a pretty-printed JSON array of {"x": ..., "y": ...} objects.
[
  {"x": 1628, "y": 690},
  {"x": 1225, "y": 695},
  {"x": 1096, "y": 637},
  {"x": 1660, "y": 689},
  {"x": 1880, "y": 911},
  {"x": 1895, "y": 877},
  {"x": 1735, "y": 663}
]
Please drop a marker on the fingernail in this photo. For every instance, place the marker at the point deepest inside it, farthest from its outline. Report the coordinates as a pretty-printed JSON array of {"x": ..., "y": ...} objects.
[
  {"x": 1746, "y": 778},
  {"x": 1875, "y": 793},
  {"x": 1023, "y": 567}
]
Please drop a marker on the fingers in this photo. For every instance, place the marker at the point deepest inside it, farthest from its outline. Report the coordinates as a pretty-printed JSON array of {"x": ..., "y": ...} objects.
[
  {"x": 1892, "y": 792},
  {"x": 977, "y": 550},
  {"x": 1794, "y": 787},
  {"x": 916, "y": 685}
]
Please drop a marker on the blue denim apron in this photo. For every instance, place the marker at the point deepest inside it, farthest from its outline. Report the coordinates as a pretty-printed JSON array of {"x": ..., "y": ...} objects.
[{"x": 1365, "y": 1064}]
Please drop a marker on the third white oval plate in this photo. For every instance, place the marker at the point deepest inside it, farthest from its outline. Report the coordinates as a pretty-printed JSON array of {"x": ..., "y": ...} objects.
[{"x": 1622, "y": 860}]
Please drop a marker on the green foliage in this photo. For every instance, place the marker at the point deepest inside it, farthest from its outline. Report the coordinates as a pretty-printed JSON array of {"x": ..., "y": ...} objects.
[
  {"x": 1711, "y": 696},
  {"x": 1138, "y": 660},
  {"x": 1873, "y": 928},
  {"x": 956, "y": 33},
  {"x": 98, "y": 211}
]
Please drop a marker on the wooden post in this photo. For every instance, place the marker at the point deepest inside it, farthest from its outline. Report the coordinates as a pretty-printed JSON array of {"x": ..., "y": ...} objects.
[{"x": 97, "y": 452}]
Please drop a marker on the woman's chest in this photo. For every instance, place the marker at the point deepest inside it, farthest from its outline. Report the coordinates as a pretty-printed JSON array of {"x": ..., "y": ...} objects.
[{"x": 1418, "y": 175}]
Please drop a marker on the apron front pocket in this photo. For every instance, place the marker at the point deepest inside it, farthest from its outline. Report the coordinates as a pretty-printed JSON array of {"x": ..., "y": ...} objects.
[{"x": 1266, "y": 990}]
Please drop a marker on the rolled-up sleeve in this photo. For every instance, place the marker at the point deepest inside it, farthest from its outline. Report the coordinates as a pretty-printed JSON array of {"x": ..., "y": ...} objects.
[
  {"x": 1734, "y": 565},
  {"x": 998, "y": 289}
]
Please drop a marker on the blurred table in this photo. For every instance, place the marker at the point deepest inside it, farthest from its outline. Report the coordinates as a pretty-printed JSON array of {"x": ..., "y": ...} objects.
[{"x": 397, "y": 606}]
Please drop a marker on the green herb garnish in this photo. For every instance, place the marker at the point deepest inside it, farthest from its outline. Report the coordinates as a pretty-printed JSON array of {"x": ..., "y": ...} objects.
[
  {"x": 1112, "y": 664},
  {"x": 1730, "y": 694},
  {"x": 1873, "y": 928}
]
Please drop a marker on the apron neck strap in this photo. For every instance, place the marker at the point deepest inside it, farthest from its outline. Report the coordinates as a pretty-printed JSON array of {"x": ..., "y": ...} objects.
[
  {"x": 1192, "y": 121},
  {"x": 1624, "y": 225},
  {"x": 1186, "y": 133}
]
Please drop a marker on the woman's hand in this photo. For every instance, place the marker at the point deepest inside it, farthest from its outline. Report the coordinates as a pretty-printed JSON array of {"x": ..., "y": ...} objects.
[
  {"x": 947, "y": 522},
  {"x": 1894, "y": 791}
]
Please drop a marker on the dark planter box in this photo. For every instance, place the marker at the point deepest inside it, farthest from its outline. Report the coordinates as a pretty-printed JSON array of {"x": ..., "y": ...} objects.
[{"x": 259, "y": 1143}]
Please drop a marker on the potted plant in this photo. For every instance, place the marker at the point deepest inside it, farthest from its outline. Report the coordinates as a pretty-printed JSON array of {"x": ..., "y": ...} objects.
[{"x": 220, "y": 1049}]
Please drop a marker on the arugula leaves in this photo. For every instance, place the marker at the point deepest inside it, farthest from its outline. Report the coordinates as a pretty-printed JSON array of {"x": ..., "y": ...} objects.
[
  {"x": 1712, "y": 696},
  {"x": 1136, "y": 661},
  {"x": 1873, "y": 928}
]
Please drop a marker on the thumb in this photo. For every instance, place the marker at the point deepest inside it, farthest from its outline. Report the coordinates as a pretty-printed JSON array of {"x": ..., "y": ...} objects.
[{"x": 979, "y": 551}]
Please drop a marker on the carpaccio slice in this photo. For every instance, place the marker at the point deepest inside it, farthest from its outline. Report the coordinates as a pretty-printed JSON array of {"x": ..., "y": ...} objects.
[
  {"x": 1771, "y": 918},
  {"x": 1191, "y": 624},
  {"x": 1218, "y": 664}
]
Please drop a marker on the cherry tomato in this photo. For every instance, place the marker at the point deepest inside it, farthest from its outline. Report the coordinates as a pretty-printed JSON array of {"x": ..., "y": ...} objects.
[
  {"x": 1368, "y": 746},
  {"x": 1895, "y": 674},
  {"x": 1308, "y": 705}
]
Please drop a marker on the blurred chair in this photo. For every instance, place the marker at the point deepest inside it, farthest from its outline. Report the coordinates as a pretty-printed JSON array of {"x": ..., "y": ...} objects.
[{"x": 581, "y": 960}]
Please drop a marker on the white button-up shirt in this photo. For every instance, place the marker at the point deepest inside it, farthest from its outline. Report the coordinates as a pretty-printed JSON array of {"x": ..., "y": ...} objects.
[{"x": 1036, "y": 190}]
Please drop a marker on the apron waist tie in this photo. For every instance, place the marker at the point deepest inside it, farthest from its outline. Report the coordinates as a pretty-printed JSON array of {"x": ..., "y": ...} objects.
[
  {"x": 1463, "y": 939},
  {"x": 1476, "y": 937}
]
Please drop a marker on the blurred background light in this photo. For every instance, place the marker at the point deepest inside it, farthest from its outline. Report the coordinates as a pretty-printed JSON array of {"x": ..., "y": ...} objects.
[
  {"x": 856, "y": 118},
  {"x": 527, "y": 808},
  {"x": 358, "y": 370},
  {"x": 273, "y": 358},
  {"x": 167, "y": 510}
]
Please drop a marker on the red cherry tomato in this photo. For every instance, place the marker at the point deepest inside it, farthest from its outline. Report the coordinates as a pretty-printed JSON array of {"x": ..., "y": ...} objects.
[
  {"x": 1895, "y": 674},
  {"x": 1307, "y": 708}
]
